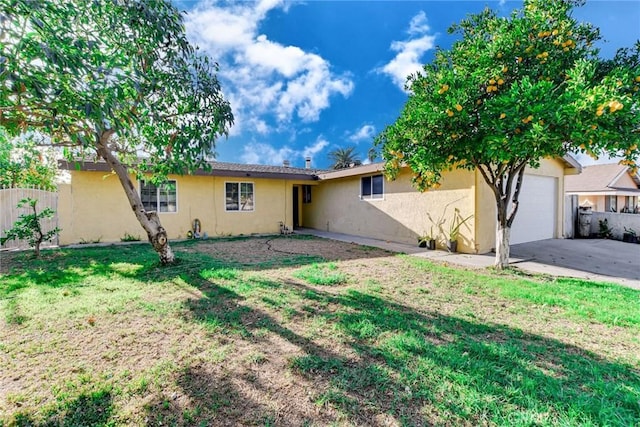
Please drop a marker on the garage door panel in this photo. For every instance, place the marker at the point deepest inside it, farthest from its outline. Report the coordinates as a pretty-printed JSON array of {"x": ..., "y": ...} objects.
[{"x": 536, "y": 217}]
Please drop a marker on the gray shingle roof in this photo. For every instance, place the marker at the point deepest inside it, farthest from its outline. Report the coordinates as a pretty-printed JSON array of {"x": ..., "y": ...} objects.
[{"x": 217, "y": 169}]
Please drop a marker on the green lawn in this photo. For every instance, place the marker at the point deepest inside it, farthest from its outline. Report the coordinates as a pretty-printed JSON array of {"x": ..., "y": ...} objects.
[{"x": 240, "y": 332}]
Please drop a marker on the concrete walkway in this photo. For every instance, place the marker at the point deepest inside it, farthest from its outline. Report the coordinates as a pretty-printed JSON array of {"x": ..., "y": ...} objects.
[{"x": 524, "y": 257}]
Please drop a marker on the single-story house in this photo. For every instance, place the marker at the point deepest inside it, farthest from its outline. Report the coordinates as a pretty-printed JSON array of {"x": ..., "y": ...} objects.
[
  {"x": 230, "y": 199},
  {"x": 607, "y": 188},
  {"x": 234, "y": 199},
  {"x": 360, "y": 201}
]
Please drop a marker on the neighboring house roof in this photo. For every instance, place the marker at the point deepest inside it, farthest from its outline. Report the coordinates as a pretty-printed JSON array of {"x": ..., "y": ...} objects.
[
  {"x": 217, "y": 169},
  {"x": 603, "y": 179}
]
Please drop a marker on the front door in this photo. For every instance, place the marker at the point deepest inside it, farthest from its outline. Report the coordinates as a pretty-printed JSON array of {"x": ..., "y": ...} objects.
[{"x": 296, "y": 212}]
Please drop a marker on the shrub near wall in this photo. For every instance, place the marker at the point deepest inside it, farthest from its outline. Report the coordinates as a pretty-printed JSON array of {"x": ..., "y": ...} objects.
[{"x": 617, "y": 223}]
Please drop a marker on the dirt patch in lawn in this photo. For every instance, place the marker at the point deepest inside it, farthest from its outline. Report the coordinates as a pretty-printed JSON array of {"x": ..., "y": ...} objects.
[
  {"x": 107, "y": 337},
  {"x": 268, "y": 251}
]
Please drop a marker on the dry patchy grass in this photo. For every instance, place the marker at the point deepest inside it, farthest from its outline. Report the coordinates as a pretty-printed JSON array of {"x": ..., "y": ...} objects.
[{"x": 238, "y": 334}]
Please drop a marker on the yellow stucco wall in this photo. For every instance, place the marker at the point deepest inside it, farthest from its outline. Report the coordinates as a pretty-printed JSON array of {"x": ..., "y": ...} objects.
[
  {"x": 401, "y": 215},
  {"x": 486, "y": 206},
  {"x": 94, "y": 207}
]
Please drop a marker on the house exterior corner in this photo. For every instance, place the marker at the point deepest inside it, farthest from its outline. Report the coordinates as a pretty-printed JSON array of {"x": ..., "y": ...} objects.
[{"x": 400, "y": 213}]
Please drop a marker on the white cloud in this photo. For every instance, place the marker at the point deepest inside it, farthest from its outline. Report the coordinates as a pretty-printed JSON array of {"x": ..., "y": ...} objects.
[
  {"x": 315, "y": 148},
  {"x": 418, "y": 24},
  {"x": 366, "y": 132},
  {"x": 410, "y": 51},
  {"x": 266, "y": 154},
  {"x": 264, "y": 80},
  {"x": 260, "y": 153}
]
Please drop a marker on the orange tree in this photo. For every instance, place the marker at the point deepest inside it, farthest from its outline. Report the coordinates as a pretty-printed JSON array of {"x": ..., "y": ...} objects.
[
  {"x": 510, "y": 92},
  {"x": 114, "y": 80}
]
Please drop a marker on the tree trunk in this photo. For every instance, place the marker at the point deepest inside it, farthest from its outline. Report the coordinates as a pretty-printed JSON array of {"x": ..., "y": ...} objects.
[
  {"x": 501, "y": 179},
  {"x": 39, "y": 235},
  {"x": 502, "y": 247},
  {"x": 149, "y": 221}
]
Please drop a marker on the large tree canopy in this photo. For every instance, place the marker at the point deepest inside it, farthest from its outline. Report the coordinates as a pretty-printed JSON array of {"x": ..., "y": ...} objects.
[
  {"x": 114, "y": 79},
  {"x": 23, "y": 164},
  {"x": 510, "y": 92}
]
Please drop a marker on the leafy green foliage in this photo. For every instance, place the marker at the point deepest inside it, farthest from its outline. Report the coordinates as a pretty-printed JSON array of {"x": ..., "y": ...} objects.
[
  {"x": 80, "y": 70},
  {"x": 29, "y": 226},
  {"x": 603, "y": 228},
  {"x": 512, "y": 91},
  {"x": 342, "y": 158},
  {"x": 24, "y": 165},
  {"x": 456, "y": 224},
  {"x": 117, "y": 80}
]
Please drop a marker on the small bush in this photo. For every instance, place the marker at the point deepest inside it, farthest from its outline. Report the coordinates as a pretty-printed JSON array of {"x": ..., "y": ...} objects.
[
  {"x": 29, "y": 226},
  {"x": 604, "y": 229}
]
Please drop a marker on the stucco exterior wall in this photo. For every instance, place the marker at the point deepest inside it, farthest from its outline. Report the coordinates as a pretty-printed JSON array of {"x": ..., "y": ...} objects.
[
  {"x": 486, "y": 206},
  {"x": 401, "y": 215},
  {"x": 94, "y": 207},
  {"x": 617, "y": 222}
]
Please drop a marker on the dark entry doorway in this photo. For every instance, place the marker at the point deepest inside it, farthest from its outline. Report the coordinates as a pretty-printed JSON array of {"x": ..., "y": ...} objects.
[{"x": 296, "y": 206}]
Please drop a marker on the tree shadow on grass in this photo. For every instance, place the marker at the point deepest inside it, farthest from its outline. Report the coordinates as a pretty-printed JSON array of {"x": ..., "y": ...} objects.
[
  {"x": 413, "y": 367},
  {"x": 70, "y": 267},
  {"x": 209, "y": 396},
  {"x": 88, "y": 410},
  {"x": 423, "y": 367}
]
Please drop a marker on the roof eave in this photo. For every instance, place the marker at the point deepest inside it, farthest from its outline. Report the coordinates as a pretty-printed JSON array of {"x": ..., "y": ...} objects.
[
  {"x": 354, "y": 171},
  {"x": 90, "y": 166},
  {"x": 572, "y": 162}
]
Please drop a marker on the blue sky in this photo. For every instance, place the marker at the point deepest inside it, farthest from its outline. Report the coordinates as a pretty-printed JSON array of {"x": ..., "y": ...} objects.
[{"x": 305, "y": 78}]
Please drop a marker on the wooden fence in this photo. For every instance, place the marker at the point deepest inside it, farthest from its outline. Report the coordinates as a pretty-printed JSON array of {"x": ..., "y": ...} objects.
[{"x": 9, "y": 212}]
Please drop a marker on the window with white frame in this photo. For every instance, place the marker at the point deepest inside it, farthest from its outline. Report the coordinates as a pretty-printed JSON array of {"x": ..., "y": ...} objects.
[
  {"x": 239, "y": 196},
  {"x": 371, "y": 187},
  {"x": 611, "y": 203},
  {"x": 159, "y": 198}
]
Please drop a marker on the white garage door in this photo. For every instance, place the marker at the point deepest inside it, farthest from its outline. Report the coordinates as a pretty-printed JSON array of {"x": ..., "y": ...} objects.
[{"x": 536, "y": 217}]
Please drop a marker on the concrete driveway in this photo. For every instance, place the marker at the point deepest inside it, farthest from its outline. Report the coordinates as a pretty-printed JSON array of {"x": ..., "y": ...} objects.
[{"x": 595, "y": 259}]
